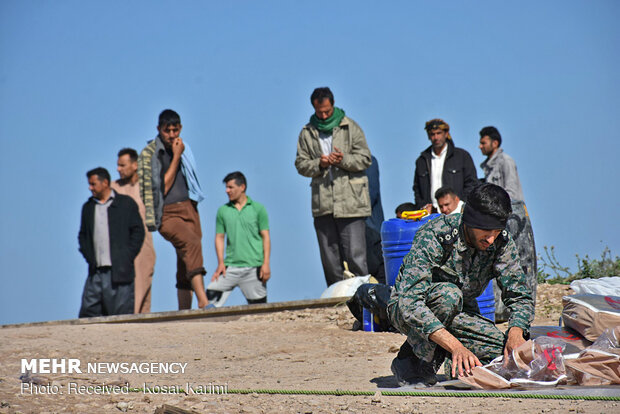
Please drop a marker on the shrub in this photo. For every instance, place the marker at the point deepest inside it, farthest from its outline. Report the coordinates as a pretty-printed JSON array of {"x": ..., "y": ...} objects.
[{"x": 586, "y": 267}]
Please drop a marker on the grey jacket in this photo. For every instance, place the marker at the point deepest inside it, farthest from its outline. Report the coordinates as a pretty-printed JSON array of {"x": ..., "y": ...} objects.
[
  {"x": 500, "y": 169},
  {"x": 345, "y": 195}
]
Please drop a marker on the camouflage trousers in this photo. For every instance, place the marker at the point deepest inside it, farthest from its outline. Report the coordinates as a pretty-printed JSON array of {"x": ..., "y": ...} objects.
[
  {"x": 520, "y": 228},
  {"x": 475, "y": 332}
]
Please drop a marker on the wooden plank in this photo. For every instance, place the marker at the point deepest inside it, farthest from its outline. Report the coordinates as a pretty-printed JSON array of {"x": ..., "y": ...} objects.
[{"x": 223, "y": 313}]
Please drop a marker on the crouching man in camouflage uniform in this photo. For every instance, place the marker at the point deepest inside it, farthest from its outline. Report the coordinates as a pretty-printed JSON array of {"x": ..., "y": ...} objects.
[{"x": 451, "y": 262}]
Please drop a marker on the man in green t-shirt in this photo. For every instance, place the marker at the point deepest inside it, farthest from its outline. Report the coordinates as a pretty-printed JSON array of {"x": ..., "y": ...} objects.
[{"x": 244, "y": 225}]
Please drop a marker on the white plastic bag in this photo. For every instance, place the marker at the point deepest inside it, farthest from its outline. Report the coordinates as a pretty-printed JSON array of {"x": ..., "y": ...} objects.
[
  {"x": 602, "y": 286},
  {"x": 346, "y": 287}
]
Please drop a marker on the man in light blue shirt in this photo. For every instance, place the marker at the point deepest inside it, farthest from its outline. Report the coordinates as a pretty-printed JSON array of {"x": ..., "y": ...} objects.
[{"x": 171, "y": 193}]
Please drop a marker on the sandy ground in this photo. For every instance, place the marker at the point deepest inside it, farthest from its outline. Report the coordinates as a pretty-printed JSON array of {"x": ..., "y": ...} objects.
[{"x": 290, "y": 350}]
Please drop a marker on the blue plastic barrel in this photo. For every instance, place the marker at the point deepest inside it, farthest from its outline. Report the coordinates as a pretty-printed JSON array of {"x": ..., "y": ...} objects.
[
  {"x": 396, "y": 239},
  {"x": 486, "y": 302}
]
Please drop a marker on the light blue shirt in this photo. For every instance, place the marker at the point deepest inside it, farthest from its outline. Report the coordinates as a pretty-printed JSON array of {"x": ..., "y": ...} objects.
[{"x": 188, "y": 168}]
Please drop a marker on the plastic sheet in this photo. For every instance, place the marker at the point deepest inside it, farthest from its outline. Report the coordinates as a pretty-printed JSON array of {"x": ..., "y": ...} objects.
[
  {"x": 574, "y": 343},
  {"x": 538, "y": 362},
  {"x": 598, "y": 364}
]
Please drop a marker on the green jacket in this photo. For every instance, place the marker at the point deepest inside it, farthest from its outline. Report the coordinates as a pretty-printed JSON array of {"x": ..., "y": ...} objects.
[{"x": 345, "y": 194}]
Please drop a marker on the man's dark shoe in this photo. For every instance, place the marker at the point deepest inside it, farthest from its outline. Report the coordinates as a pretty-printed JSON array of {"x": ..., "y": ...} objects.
[{"x": 411, "y": 371}]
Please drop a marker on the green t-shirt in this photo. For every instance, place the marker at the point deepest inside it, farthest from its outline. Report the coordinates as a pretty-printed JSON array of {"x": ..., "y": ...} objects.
[{"x": 244, "y": 245}]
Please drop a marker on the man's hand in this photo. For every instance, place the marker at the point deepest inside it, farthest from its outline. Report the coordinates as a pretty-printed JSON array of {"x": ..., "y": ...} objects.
[
  {"x": 265, "y": 273},
  {"x": 461, "y": 356},
  {"x": 178, "y": 147},
  {"x": 335, "y": 157},
  {"x": 221, "y": 270},
  {"x": 465, "y": 360},
  {"x": 324, "y": 162},
  {"x": 515, "y": 339},
  {"x": 428, "y": 208}
]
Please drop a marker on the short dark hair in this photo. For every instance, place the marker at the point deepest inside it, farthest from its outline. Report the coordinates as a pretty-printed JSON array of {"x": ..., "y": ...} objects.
[
  {"x": 100, "y": 172},
  {"x": 493, "y": 133},
  {"x": 444, "y": 191},
  {"x": 320, "y": 94},
  {"x": 490, "y": 199},
  {"x": 238, "y": 177},
  {"x": 404, "y": 207},
  {"x": 169, "y": 117},
  {"x": 133, "y": 155}
]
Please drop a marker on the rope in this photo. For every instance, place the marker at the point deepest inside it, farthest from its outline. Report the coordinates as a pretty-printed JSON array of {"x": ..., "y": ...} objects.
[
  {"x": 398, "y": 394},
  {"x": 428, "y": 394}
]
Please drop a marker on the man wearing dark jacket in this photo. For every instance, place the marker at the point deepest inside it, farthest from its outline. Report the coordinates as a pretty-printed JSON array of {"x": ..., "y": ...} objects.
[
  {"x": 374, "y": 253},
  {"x": 110, "y": 237},
  {"x": 442, "y": 165}
]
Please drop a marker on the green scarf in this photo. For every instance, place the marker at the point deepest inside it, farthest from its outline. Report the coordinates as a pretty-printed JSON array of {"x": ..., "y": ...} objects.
[{"x": 328, "y": 124}]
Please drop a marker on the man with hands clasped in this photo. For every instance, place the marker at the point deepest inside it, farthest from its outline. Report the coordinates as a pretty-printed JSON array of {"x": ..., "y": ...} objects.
[{"x": 332, "y": 150}]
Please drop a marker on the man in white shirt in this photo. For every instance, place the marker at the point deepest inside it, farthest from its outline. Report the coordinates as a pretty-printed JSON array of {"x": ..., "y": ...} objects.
[
  {"x": 449, "y": 203},
  {"x": 442, "y": 165}
]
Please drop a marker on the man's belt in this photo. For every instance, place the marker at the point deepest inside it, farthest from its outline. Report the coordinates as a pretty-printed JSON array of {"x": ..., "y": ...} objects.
[{"x": 102, "y": 269}]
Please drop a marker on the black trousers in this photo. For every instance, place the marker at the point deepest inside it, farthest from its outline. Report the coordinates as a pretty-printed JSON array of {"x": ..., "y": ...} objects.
[
  {"x": 341, "y": 239},
  {"x": 102, "y": 297}
]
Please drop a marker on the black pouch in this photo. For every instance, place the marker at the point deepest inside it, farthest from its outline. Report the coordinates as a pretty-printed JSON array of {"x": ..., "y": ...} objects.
[{"x": 374, "y": 297}]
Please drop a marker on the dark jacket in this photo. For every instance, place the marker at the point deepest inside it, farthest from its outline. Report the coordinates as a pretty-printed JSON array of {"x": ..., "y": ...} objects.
[
  {"x": 374, "y": 189},
  {"x": 126, "y": 236},
  {"x": 459, "y": 173},
  {"x": 374, "y": 253}
]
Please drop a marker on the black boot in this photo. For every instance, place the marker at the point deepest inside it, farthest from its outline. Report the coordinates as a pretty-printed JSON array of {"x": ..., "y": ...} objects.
[{"x": 409, "y": 370}]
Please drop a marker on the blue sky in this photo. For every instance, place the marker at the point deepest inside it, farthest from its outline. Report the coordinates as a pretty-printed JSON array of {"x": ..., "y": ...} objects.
[{"x": 81, "y": 79}]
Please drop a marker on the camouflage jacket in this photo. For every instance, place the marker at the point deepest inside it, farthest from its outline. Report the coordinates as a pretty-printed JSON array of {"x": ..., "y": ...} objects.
[{"x": 467, "y": 268}]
